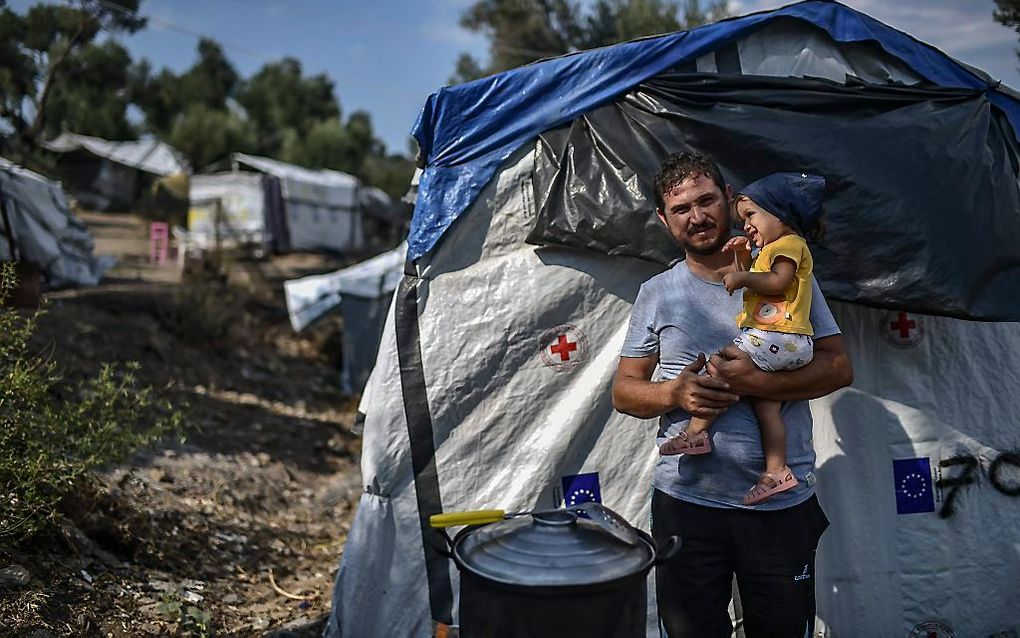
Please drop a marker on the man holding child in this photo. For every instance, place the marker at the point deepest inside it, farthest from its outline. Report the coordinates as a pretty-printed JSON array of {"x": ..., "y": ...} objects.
[{"x": 683, "y": 323}]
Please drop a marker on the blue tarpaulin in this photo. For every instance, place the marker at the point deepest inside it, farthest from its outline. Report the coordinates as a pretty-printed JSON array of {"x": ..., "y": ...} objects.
[{"x": 465, "y": 132}]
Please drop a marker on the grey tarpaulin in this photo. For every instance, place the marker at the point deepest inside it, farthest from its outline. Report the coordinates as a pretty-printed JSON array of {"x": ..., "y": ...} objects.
[
  {"x": 926, "y": 206},
  {"x": 44, "y": 231}
]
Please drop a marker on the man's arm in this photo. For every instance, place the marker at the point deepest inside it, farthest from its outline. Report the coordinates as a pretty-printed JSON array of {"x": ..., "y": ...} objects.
[
  {"x": 634, "y": 392},
  {"x": 829, "y": 371}
]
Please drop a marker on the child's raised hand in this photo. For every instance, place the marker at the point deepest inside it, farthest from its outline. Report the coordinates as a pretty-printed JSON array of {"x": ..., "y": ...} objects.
[{"x": 738, "y": 244}]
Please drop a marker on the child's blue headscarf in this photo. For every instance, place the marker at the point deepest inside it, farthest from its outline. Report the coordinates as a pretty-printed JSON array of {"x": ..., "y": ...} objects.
[{"x": 795, "y": 198}]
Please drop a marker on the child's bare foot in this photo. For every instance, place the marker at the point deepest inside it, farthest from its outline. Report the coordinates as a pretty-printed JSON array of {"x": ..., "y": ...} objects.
[
  {"x": 770, "y": 484},
  {"x": 687, "y": 444}
]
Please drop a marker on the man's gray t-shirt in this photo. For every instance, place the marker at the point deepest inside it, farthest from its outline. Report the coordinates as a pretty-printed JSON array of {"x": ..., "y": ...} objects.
[{"x": 677, "y": 315}]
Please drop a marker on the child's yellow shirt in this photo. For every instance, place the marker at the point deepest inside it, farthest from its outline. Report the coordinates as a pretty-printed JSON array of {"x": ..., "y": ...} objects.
[{"x": 791, "y": 312}]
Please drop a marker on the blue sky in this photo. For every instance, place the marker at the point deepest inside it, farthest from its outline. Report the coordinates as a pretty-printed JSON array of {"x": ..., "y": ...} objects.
[{"x": 387, "y": 56}]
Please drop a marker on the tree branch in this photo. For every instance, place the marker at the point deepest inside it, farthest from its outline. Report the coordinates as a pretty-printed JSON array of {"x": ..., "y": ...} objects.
[{"x": 40, "y": 106}]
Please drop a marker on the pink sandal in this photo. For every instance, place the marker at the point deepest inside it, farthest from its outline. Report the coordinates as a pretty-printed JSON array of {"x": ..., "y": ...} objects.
[
  {"x": 781, "y": 481},
  {"x": 682, "y": 444}
]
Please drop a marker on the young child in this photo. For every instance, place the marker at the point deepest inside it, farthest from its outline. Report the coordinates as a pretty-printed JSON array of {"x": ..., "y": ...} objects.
[{"x": 778, "y": 212}]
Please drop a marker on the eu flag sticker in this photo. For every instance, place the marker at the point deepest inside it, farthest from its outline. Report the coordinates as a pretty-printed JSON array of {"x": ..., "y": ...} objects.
[
  {"x": 581, "y": 488},
  {"x": 913, "y": 486}
]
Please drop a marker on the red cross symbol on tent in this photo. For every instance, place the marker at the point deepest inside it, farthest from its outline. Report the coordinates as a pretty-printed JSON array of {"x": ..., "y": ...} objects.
[
  {"x": 904, "y": 325},
  {"x": 563, "y": 347},
  {"x": 901, "y": 329}
]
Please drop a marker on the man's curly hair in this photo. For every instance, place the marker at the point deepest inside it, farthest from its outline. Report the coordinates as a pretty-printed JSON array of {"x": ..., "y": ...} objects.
[{"x": 680, "y": 166}]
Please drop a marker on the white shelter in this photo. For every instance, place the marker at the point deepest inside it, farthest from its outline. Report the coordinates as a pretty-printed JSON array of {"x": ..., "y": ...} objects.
[{"x": 283, "y": 206}]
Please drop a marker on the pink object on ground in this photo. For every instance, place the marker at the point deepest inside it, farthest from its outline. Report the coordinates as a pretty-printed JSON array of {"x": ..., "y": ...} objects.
[
  {"x": 782, "y": 481},
  {"x": 682, "y": 444},
  {"x": 159, "y": 242}
]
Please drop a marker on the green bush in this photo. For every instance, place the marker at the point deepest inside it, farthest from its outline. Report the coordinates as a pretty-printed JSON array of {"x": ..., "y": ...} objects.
[
  {"x": 53, "y": 434},
  {"x": 201, "y": 311}
]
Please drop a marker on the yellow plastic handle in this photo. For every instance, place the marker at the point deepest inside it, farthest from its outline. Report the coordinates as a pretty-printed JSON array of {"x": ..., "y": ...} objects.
[{"x": 476, "y": 517}]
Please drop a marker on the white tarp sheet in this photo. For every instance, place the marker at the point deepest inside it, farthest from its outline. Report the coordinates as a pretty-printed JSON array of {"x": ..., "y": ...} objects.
[
  {"x": 45, "y": 231},
  {"x": 308, "y": 298},
  {"x": 934, "y": 402},
  {"x": 151, "y": 156},
  {"x": 518, "y": 349}
]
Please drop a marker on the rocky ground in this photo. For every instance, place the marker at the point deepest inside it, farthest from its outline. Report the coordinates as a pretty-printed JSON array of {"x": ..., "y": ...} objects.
[{"x": 238, "y": 530}]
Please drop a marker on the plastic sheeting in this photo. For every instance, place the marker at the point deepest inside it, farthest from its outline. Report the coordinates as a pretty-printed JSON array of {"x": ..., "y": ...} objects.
[
  {"x": 45, "y": 232},
  {"x": 151, "y": 156},
  {"x": 477, "y": 402},
  {"x": 308, "y": 298},
  {"x": 926, "y": 206},
  {"x": 363, "y": 292},
  {"x": 466, "y": 132}
]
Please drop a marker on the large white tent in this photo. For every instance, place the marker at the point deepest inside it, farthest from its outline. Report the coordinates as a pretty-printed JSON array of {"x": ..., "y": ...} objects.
[{"x": 492, "y": 384}]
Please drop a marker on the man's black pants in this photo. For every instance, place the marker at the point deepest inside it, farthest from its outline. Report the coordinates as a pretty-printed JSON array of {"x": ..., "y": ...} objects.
[{"x": 772, "y": 554}]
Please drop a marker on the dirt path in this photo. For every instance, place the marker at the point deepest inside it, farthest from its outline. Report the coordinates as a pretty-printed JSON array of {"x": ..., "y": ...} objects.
[{"x": 238, "y": 530}]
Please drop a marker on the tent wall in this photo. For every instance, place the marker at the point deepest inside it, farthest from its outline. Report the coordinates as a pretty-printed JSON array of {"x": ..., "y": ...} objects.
[
  {"x": 321, "y": 206},
  {"x": 277, "y": 235},
  {"x": 227, "y": 206},
  {"x": 314, "y": 226},
  {"x": 98, "y": 183},
  {"x": 933, "y": 405},
  {"x": 112, "y": 175},
  {"x": 509, "y": 421},
  {"x": 364, "y": 319}
]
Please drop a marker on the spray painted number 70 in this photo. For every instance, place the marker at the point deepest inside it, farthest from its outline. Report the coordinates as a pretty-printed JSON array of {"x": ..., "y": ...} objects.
[{"x": 1003, "y": 473}]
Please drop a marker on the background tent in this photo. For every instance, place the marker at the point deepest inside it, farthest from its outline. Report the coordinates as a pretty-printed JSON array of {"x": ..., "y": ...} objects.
[
  {"x": 492, "y": 385},
  {"x": 107, "y": 175},
  {"x": 37, "y": 227},
  {"x": 286, "y": 207},
  {"x": 363, "y": 293}
]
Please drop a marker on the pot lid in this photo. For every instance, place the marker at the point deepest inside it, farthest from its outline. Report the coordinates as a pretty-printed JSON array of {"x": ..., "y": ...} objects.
[{"x": 552, "y": 548}]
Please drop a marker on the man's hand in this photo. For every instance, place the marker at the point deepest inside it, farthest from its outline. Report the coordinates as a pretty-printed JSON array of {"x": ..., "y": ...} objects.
[
  {"x": 635, "y": 394},
  {"x": 700, "y": 394},
  {"x": 734, "y": 367}
]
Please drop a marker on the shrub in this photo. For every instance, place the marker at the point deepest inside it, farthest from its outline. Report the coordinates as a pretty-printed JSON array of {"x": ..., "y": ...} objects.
[
  {"x": 200, "y": 312},
  {"x": 52, "y": 434}
]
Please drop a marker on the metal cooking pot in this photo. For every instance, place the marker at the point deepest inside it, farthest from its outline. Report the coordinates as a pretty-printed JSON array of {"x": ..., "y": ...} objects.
[{"x": 553, "y": 574}]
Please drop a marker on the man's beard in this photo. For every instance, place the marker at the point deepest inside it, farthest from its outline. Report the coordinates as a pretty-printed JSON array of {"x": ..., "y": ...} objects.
[{"x": 711, "y": 249}]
